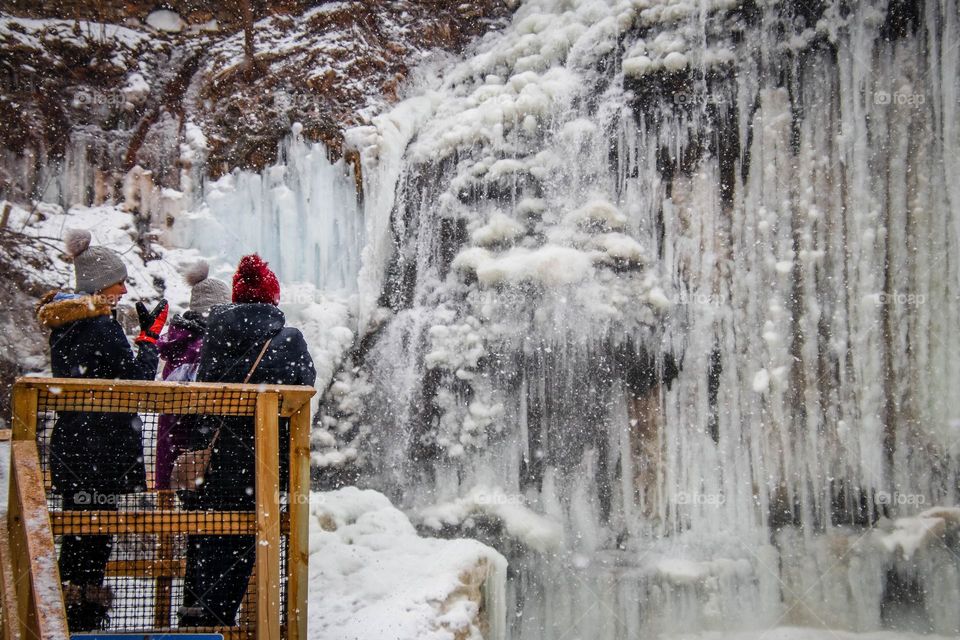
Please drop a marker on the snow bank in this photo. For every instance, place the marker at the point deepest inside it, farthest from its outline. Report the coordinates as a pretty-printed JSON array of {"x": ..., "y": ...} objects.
[
  {"x": 534, "y": 530},
  {"x": 371, "y": 576},
  {"x": 165, "y": 20}
]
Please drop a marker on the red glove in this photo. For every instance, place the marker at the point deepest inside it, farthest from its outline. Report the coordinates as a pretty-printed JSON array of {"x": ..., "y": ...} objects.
[{"x": 151, "y": 322}]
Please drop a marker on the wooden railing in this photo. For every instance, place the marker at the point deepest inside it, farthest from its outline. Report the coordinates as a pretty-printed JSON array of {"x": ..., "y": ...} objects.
[
  {"x": 39, "y": 611},
  {"x": 34, "y": 599}
]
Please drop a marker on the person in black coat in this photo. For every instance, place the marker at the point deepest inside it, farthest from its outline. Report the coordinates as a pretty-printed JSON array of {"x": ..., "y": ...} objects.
[
  {"x": 219, "y": 567},
  {"x": 94, "y": 457}
]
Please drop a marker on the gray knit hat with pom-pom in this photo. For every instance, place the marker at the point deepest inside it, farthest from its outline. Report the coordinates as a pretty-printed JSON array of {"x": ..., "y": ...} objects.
[
  {"x": 205, "y": 291},
  {"x": 96, "y": 267}
]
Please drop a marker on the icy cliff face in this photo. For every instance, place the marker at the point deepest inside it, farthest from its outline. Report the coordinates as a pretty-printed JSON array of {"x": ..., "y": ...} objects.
[
  {"x": 681, "y": 277},
  {"x": 301, "y": 214}
]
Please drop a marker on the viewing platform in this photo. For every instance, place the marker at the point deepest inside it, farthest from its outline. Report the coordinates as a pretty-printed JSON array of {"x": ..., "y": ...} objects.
[{"x": 150, "y": 527}]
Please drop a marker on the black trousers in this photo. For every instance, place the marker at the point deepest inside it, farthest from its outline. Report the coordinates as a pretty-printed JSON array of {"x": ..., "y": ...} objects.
[
  {"x": 218, "y": 570},
  {"x": 83, "y": 559}
]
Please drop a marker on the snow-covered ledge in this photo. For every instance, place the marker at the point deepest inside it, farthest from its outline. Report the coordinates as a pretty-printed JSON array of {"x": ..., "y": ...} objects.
[{"x": 372, "y": 576}]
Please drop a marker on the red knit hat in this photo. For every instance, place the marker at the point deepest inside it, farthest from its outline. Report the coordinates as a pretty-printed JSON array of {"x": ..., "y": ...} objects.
[{"x": 254, "y": 282}]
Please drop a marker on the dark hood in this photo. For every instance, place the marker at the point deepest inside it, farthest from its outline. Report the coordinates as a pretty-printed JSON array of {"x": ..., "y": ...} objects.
[
  {"x": 233, "y": 329},
  {"x": 234, "y": 336}
]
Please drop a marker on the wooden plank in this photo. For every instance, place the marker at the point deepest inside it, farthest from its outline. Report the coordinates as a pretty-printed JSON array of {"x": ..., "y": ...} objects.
[
  {"x": 10, "y": 623},
  {"x": 267, "y": 450},
  {"x": 148, "y": 522},
  {"x": 24, "y": 412},
  {"x": 148, "y": 569},
  {"x": 128, "y": 396},
  {"x": 32, "y": 542},
  {"x": 298, "y": 549},
  {"x": 158, "y": 522},
  {"x": 19, "y": 556}
]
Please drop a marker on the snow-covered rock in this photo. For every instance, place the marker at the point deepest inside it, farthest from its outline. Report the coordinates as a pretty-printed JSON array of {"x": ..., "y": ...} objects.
[{"x": 372, "y": 576}]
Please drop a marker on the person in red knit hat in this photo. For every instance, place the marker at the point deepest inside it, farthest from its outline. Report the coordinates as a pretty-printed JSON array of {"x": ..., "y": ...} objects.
[
  {"x": 254, "y": 282},
  {"x": 219, "y": 567}
]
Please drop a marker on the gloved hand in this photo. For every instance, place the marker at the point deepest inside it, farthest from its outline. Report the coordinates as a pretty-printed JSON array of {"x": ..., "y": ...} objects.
[{"x": 151, "y": 322}]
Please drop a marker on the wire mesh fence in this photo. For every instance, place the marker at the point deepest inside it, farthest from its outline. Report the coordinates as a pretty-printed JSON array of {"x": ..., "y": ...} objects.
[{"x": 138, "y": 554}]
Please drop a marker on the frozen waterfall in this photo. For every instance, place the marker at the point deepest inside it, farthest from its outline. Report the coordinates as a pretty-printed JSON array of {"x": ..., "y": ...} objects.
[
  {"x": 301, "y": 214},
  {"x": 679, "y": 277}
]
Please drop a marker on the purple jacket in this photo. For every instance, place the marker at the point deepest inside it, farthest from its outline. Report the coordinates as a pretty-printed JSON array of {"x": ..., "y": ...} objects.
[{"x": 178, "y": 347}]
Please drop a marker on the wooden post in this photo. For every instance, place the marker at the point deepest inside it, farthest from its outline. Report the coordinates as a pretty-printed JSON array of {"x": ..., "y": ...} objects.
[
  {"x": 298, "y": 549},
  {"x": 40, "y": 604},
  {"x": 163, "y": 585},
  {"x": 10, "y": 629},
  {"x": 24, "y": 412},
  {"x": 267, "y": 453}
]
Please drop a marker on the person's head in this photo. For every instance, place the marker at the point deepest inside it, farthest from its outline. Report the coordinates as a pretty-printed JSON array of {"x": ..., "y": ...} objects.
[
  {"x": 255, "y": 282},
  {"x": 98, "y": 270},
  {"x": 205, "y": 292}
]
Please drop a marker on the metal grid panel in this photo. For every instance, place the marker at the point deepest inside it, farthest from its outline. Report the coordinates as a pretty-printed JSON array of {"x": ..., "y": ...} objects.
[{"x": 139, "y": 549}]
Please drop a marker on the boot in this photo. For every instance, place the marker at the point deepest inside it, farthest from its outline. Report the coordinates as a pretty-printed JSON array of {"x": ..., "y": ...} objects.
[
  {"x": 100, "y": 599},
  {"x": 73, "y": 602},
  {"x": 89, "y": 611}
]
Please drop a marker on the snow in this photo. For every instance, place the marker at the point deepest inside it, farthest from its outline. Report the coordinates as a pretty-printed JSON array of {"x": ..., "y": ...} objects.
[
  {"x": 165, "y": 20},
  {"x": 136, "y": 90},
  {"x": 371, "y": 576},
  {"x": 31, "y": 32},
  {"x": 911, "y": 534},
  {"x": 598, "y": 214},
  {"x": 520, "y": 522},
  {"x": 675, "y": 61},
  {"x": 548, "y": 265},
  {"x": 498, "y": 229}
]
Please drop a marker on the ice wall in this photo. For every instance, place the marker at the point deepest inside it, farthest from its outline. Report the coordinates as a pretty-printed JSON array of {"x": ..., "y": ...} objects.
[
  {"x": 301, "y": 214},
  {"x": 681, "y": 277}
]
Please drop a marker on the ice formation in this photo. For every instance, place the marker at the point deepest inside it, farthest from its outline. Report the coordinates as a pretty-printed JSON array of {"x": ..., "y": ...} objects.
[
  {"x": 679, "y": 274},
  {"x": 301, "y": 214}
]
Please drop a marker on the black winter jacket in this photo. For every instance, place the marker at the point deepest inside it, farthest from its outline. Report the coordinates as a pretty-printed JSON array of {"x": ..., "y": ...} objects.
[
  {"x": 101, "y": 452},
  {"x": 234, "y": 338}
]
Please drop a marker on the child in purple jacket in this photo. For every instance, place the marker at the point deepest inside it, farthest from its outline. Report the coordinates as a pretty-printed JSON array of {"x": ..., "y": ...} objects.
[{"x": 180, "y": 350}]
